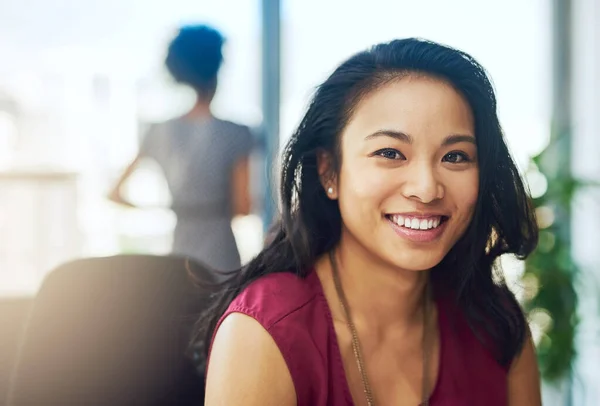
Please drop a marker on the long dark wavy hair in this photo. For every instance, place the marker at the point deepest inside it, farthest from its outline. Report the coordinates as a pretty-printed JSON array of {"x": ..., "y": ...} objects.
[{"x": 309, "y": 224}]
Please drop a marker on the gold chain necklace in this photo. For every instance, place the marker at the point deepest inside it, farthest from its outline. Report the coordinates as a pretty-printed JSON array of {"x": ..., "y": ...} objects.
[{"x": 356, "y": 344}]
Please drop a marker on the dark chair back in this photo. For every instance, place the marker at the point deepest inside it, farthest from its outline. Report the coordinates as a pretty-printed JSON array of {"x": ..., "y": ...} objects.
[
  {"x": 13, "y": 312},
  {"x": 110, "y": 331}
]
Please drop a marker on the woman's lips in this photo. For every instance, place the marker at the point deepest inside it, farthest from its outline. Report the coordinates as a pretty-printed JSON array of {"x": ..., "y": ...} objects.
[{"x": 418, "y": 228}]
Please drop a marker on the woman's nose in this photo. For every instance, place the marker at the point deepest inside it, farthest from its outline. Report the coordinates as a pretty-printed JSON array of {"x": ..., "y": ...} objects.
[{"x": 422, "y": 184}]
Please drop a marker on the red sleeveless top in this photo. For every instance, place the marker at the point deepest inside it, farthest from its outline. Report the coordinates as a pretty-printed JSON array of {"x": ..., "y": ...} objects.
[{"x": 296, "y": 314}]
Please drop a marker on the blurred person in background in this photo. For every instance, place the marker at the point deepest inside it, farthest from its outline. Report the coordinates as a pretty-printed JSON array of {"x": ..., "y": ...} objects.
[
  {"x": 378, "y": 287},
  {"x": 205, "y": 159}
]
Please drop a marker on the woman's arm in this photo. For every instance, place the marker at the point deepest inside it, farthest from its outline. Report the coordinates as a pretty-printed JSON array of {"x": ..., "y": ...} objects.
[
  {"x": 240, "y": 193},
  {"x": 524, "y": 378},
  {"x": 246, "y": 367},
  {"x": 115, "y": 194}
]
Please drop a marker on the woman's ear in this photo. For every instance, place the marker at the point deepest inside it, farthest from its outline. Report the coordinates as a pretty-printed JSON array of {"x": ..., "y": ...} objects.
[{"x": 327, "y": 174}]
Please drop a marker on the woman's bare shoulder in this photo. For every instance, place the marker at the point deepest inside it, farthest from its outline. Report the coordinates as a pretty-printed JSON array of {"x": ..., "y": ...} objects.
[{"x": 246, "y": 367}]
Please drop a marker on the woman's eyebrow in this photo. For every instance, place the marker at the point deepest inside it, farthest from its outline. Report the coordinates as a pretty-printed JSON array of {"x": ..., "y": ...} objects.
[
  {"x": 399, "y": 135},
  {"x": 458, "y": 138}
]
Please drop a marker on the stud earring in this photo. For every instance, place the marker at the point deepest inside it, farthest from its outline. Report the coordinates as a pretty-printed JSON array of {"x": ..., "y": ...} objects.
[{"x": 330, "y": 190}]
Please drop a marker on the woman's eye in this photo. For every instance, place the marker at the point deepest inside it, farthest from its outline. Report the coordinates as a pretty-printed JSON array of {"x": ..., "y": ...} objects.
[
  {"x": 456, "y": 157},
  {"x": 389, "y": 153}
]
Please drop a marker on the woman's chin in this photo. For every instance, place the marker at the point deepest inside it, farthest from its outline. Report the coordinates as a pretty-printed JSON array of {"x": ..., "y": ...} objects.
[{"x": 417, "y": 262}]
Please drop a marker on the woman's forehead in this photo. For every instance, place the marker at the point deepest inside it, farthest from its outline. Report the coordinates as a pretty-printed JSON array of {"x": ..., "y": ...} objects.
[{"x": 420, "y": 107}]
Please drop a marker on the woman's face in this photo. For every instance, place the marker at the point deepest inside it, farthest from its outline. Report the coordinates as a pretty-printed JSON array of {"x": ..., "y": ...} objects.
[{"x": 408, "y": 181}]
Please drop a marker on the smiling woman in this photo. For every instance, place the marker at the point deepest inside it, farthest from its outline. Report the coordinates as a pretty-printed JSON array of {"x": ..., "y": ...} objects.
[{"x": 377, "y": 286}]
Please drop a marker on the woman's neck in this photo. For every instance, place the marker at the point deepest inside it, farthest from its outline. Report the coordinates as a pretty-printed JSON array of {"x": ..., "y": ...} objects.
[
  {"x": 380, "y": 295},
  {"x": 200, "y": 110}
]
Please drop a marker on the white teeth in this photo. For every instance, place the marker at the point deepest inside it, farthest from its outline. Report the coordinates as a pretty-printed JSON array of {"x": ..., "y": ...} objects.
[{"x": 415, "y": 223}]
